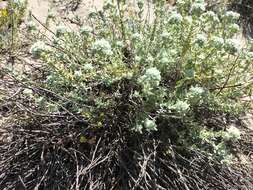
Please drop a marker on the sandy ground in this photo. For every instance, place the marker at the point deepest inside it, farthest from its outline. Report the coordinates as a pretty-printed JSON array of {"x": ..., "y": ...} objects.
[{"x": 40, "y": 9}]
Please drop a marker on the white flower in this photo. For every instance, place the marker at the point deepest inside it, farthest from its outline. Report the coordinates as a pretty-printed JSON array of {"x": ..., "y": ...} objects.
[
  {"x": 232, "y": 133},
  {"x": 150, "y": 125},
  {"x": 50, "y": 14},
  {"x": 138, "y": 128},
  {"x": 234, "y": 28},
  {"x": 147, "y": 124},
  {"x": 188, "y": 19},
  {"x": 198, "y": 7},
  {"x": 40, "y": 100},
  {"x": 181, "y": 3},
  {"x": 61, "y": 30},
  {"x": 165, "y": 57},
  {"x": 231, "y": 15},
  {"x": 28, "y": 92},
  {"x": 19, "y": 2},
  {"x": 175, "y": 18},
  {"x": 102, "y": 46},
  {"x": 108, "y": 4},
  {"x": 165, "y": 35},
  {"x": 137, "y": 58},
  {"x": 137, "y": 37},
  {"x": 232, "y": 45},
  {"x": 88, "y": 66},
  {"x": 197, "y": 91},
  {"x": 120, "y": 44},
  {"x": 38, "y": 48},
  {"x": 78, "y": 73},
  {"x": 164, "y": 60},
  {"x": 218, "y": 42},
  {"x": 128, "y": 75},
  {"x": 85, "y": 30},
  {"x": 49, "y": 79},
  {"x": 210, "y": 16},
  {"x": 151, "y": 77},
  {"x": 181, "y": 106},
  {"x": 200, "y": 39},
  {"x": 31, "y": 25},
  {"x": 249, "y": 55},
  {"x": 195, "y": 94},
  {"x": 150, "y": 59}
]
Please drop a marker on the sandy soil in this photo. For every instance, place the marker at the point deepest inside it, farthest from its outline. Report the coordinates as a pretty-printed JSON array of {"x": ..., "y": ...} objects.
[{"x": 40, "y": 9}]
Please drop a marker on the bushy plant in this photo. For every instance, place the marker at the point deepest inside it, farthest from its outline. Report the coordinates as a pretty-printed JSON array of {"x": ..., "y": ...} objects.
[{"x": 149, "y": 75}]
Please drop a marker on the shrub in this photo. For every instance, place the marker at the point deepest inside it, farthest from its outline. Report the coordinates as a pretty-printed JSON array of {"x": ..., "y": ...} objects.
[{"x": 185, "y": 60}]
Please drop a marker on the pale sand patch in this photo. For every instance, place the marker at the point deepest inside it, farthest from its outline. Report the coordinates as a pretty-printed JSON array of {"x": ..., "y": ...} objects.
[{"x": 39, "y": 8}]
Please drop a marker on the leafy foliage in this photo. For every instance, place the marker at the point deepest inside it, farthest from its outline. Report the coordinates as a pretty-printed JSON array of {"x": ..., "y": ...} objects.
[{"x": 150, "y": 75}]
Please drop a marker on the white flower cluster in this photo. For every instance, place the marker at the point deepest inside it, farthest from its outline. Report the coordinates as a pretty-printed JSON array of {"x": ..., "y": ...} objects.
[
  {"x": 19, "y": 2},
  {"x": 232, "y": 45},
  {"x": 38, "y": 48},
  {"x": 217, "y": 42},
  {"x": 137, "y": 37},
  {"x": 151, "y": 78},
  {"x": 150, "y": 125},
  {"x": 210, "y": 16},
  {"x": 188, "y": 20},
  {"x": 61, "y": 30},
  {"x": 232, "y": 133},
  {"x": 102, "y": 46},
  {"x": 108, "y": 4},
  {"x": 28, "y": 92},
  {"x": 164, "y": 60},
  {"x": 50, "y": 14},
  {"x": 233, "y": 28},
  {"x": 195, "y": 94},
  {"x": 249, "y": 56},
  {"x": 198, "y": 7},
  {"x": 164, "y": 57},
  {"x": 31, "y": 25},
  {"x": 181, "y": 107},
  {"x": 78, "y": 73},
  {"x": 150, "y": 59},
  {"x": 175, "y": 18},
  {"x": 165, "y": 35},
  {"x": 85, "y": 30},
  {"x": 197, "y": 90},
  {"x": 138, "y": 58},
  {"x": 147, "y": 124},
  {"x": 200, "y": 39},
  {"x": 88, "y": 67},
  {"x": 231, "y": 16},
  {"x": 183, "y": 3},
  {"x": 222, "y": 151},
  {"x": 119, "y": 44}
]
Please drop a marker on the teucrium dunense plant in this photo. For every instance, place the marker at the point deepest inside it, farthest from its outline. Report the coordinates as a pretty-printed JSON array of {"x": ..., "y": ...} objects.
[{"x": 150, "y": 75}]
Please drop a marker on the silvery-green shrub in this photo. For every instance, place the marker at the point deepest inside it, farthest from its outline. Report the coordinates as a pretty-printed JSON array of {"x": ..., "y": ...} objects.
[{"x": 155, "y": 75}]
